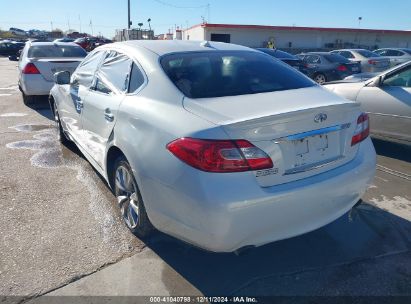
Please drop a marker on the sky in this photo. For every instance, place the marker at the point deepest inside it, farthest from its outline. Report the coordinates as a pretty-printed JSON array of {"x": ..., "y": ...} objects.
[{"x": 108, "y": 15}]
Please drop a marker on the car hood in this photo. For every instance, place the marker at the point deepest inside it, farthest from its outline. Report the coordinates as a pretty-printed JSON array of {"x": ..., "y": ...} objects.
[
  {"x": 232, "y": 109},
  {"x": 346, "y": 89}
]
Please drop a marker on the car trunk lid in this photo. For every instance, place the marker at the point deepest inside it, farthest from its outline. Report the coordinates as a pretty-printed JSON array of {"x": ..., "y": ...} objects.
[
  {"x": 49, "y": 66},
  {"x": 303, "y": 136}
]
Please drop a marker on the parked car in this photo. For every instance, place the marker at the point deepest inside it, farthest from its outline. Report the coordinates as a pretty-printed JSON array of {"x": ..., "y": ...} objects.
[
  {"x": 387, "y": 100},
  {"x": 10, "y": 48},
  {"x": 370, "y": 62},
  {"x": 232, "y": 137},
  {"x": 288, "y": 58},
  {"x": 323, "y": 66},
  {"x": 38, "y": 63},
  {"x": 360, "y": 77},
  {"x": 396, "y": 55},
  {"x": 64, "y": 39}
]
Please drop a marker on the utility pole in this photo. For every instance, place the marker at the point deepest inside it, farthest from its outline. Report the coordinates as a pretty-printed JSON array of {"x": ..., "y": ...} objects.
[{"x": 129, "y": 21}]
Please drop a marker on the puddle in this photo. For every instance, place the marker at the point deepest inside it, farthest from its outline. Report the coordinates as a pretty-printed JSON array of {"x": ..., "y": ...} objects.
[
  {"x": 49, "y": 153},
  {"x": 13, "y": 115},
  {"x": 31, "y": 127}
]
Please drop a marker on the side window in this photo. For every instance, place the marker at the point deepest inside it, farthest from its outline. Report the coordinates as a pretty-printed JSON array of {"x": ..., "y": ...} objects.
[
  {"x": 394, "y": 53},
  {"x": 312, "y": 59},
  {"x": 136, "y": 79},
  {"x": 400, "y": 79},
  {"x": 100, "y": 86},
  {"x": 115, "y": 71},
  {"x": 84, "y": 74}
]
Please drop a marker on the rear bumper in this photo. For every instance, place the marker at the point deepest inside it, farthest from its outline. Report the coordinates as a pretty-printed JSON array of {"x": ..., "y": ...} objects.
[
  {"x": 35, "y": 85},
  {"x": 223, "y": 217}
]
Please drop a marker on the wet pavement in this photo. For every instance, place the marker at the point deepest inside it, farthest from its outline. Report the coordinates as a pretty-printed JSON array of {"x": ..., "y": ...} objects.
[
  {"x": 59, "y": 221},
  {"x": 60, "y": 224}
]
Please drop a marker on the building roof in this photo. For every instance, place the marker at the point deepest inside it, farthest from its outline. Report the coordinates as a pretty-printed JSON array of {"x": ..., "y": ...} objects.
[{"x": 298, "y": 28}]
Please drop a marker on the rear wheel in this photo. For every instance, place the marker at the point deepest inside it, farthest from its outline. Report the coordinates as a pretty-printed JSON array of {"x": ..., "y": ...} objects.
[
  {"x": 27, "y": 99},
  {"x": 320, "y": 78},
  {"x": 129, "y": 199}
]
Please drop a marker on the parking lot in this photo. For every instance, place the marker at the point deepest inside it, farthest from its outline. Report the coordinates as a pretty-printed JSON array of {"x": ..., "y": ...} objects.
[{"x": 62, "y": 233}]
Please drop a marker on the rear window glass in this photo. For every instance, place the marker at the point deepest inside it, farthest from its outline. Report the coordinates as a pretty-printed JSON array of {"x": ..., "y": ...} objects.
[
  {"x": 407, "y": 51},
  {"x": 230, "y": 73},
  {"x": 278, "y": 54},
  {"x": 44, "y": 51},
  {"x": 367, "y": 54},
  {"x": 336, "y": 58}
]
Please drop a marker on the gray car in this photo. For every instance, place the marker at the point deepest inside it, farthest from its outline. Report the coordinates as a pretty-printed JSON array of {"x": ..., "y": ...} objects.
[
  {"x": 387, "y": 100},
  {"x": 370, "y": 62},
  {"x": 396, "y": 55}
]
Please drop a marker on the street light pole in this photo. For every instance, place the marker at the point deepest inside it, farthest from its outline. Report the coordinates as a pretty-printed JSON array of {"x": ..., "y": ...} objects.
[{"x": 129, "y": 21}]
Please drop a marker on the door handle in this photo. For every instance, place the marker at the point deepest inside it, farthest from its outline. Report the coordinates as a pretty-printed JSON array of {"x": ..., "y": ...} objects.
[
  {"x": 79, "y": 105},
  {"x": 108, "y": 115}
]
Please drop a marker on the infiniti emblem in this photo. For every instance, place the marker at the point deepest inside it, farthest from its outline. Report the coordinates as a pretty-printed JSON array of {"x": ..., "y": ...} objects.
[{"x": 320, "y": 117}]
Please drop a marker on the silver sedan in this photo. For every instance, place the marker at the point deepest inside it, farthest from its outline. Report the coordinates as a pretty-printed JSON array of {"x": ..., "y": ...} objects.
[
  {"x": 386, "y": 98},
  {"x": 219, "y": 145}
]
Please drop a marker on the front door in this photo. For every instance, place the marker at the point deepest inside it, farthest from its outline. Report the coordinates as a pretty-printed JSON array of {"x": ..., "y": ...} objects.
[
  {"x": 102, "y": 103},
  {"x": 389, "y": 105}
]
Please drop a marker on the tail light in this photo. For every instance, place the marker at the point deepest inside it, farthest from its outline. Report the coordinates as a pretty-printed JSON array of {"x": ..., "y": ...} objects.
[
  {"x": 220, "y": 155},
  {"x": 373, "y": 62},
  {"x": 362, "y": 130},
  {"x": 30, "y": 68},
  {"x": 342, "y": 68}
]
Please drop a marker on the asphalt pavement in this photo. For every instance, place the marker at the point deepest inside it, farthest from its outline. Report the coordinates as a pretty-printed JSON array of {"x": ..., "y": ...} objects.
[{"x": 61, "y": 232}]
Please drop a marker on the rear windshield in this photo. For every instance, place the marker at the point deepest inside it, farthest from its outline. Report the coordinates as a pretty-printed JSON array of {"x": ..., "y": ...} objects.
[
  {"x": 367, "y": 54},
  {"x": 407, "y": 51},
  {"x": 230, "y": 73},
  {"x": 278, "y": 54},
  {"x": 336, "y": 58},
  {"x": 44, "y": 51}
]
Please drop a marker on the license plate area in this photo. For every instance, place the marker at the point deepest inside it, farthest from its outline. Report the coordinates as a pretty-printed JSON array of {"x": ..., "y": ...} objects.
[{"x": 314, "y": 152}]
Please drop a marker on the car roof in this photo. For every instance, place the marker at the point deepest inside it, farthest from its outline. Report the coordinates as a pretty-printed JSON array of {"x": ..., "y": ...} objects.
[
  {"x": 53, "y": 43},
  {"x": 162, "y": 47}
]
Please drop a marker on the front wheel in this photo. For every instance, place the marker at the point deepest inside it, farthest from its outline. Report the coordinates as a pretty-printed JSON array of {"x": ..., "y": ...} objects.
[
  {"x": 62, "y": 137},
  {"x": 129, "y": 199}
]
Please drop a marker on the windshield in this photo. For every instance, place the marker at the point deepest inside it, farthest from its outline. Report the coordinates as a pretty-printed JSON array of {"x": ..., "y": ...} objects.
[
  {"x": 229, "y": 73},
  {"x": 367, "y": 54},
  {"x": 408, "y": 51},
  {"x": 47, "y": 51}
]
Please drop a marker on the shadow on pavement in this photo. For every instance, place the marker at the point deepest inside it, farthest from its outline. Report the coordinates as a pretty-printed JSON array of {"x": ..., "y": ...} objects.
[
  {"x": 363, "y": 234},
  {"x": 41, "y": 105},
  {"x": 392, "y": 149}
]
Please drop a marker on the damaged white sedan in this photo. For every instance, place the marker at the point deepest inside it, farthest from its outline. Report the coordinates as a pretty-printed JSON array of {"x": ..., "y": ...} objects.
[{"x": 216, "y": 144}]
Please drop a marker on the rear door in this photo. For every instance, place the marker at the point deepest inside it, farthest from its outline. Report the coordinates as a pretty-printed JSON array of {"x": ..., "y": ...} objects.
[
  {"x": 389, "y": 105},
  {"x": 101, "y": 105}
]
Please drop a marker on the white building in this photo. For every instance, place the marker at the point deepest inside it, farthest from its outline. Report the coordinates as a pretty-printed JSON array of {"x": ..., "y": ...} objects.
[{"x": 294, "y": 37}]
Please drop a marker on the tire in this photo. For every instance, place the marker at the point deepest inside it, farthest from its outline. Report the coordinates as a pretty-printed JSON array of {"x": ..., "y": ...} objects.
[
  {"x": 62, "y": 137},
  {"x": 129, "y": 199},
  {"x": 27, "y": 99},
  {"x": 320, "y": 78}
]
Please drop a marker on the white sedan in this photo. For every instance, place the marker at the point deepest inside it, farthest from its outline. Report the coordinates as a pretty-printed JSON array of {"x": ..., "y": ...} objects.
[
  {"x": 40, "y": 60},
  {"x": 216, "y": 144},
  {"x": 387, "y": 100}
]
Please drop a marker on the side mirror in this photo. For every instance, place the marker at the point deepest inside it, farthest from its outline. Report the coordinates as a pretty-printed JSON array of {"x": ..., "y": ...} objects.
[
  {"x": 62, "y": 77},
  {"x": 376, "y": 82},
  {"x": 13, "y": 58}
]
